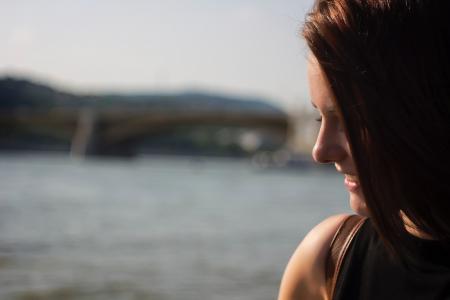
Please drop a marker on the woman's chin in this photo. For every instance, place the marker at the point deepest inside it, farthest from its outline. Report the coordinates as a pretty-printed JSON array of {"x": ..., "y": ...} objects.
[{"x": 357, "y": 204}]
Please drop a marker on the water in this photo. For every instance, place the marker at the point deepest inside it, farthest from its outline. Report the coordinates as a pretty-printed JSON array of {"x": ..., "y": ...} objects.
[{"x": 153, "y": 228}]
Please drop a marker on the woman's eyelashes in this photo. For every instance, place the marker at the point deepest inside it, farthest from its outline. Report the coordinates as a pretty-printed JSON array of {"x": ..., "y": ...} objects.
[{"x": 333, "y": 119}]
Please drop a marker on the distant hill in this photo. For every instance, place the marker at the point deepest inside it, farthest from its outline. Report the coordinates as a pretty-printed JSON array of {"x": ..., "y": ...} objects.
[
  {"x": 23, "y": 93},
  {"x": 15, "y": 92}
]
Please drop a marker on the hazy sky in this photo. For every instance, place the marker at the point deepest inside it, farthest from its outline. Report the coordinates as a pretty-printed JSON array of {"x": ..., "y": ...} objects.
[{"x": 245, "y": 47}]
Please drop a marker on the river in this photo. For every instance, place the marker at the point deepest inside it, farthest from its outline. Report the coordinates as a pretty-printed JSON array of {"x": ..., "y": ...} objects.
[{"x": 154, "y": 227}]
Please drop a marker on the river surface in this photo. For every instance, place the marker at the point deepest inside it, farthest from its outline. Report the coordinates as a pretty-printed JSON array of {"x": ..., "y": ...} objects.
[{"x": 153, "y": 228}]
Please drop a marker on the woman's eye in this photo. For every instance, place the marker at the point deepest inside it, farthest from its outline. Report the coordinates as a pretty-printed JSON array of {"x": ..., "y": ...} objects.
[{"x": 319, "y": 119}]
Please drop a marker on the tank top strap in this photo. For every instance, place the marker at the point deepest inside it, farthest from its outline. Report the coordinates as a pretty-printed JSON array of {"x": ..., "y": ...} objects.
[{"x": 338, "y": 248}]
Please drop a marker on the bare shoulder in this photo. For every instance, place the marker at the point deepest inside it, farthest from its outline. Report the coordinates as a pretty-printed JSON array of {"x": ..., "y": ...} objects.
[{"x": 304, "y": 276}]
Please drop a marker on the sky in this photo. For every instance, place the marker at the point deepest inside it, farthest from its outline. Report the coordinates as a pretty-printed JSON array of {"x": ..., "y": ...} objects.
[{"x": 237, "y": 47}]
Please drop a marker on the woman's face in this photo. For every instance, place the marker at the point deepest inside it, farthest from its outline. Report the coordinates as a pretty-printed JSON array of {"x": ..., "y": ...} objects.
[{"x": 332, "y": 145}]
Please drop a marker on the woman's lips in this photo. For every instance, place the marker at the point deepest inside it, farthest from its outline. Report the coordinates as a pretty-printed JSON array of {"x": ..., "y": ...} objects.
[{"x": 351, "y": 184}]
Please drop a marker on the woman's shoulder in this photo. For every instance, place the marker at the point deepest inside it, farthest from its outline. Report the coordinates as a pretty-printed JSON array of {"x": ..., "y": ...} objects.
[{"x": 304, "y": 276}]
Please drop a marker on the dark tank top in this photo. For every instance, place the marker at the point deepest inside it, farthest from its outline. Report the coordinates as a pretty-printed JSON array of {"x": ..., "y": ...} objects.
[{"x": 369, "y": 273}]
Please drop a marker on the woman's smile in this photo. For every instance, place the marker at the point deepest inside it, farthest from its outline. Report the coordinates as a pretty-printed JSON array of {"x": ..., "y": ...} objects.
[{"x": 351, "y": 184}]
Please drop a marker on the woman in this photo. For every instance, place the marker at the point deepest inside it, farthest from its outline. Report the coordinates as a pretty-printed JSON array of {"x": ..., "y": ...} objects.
[{"x": 379, "y": 74}]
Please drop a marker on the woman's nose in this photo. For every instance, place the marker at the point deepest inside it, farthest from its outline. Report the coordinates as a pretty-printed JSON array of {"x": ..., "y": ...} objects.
[{"x": 329, "y": 147}]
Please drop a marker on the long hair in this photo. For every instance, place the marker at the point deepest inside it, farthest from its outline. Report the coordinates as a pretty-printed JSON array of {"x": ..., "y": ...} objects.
[{"x": 388, "y": 64}]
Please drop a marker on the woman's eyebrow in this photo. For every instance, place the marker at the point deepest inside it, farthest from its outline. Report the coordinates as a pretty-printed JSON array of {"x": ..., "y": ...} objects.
[{"x": 330, "y": 109}]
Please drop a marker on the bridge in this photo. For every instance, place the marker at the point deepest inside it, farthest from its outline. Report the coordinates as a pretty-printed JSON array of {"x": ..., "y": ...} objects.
[{"x": 118, "y": 131}]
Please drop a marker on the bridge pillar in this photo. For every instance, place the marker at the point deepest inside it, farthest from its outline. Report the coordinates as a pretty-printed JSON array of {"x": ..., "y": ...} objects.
[{"x": 84, "y": 141}]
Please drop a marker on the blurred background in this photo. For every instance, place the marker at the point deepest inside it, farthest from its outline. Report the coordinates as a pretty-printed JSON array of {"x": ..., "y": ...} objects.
[{"x": 155, "y": 149}]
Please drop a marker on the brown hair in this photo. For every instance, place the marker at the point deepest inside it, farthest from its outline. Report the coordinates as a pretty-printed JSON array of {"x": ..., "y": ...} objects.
[{"x": 388, "y": 65}]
